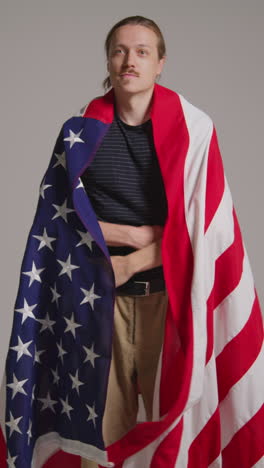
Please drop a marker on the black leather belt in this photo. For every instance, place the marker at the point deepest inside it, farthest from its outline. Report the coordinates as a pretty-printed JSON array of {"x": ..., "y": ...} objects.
[{"x": 141, "y": 288}]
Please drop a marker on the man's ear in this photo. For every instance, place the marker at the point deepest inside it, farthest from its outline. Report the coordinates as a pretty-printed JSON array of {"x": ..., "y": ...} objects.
[{"x": 161, "y": 64}]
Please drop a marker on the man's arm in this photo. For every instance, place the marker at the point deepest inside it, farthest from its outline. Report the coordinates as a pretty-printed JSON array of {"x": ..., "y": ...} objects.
[
  {"x": 132, "y": 236},
  {"x": 143, "y": 259}
]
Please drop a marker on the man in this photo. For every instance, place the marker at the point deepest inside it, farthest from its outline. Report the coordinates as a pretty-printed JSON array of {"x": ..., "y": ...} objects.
[{"x": 172, "y": 313}]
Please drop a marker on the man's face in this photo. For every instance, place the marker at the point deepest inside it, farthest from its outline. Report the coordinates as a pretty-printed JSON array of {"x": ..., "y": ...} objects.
[{"x": 133, "y": 61}]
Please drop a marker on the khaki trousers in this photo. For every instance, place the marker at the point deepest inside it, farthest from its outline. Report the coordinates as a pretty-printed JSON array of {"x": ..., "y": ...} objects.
[{"x": 137, "y": 341}]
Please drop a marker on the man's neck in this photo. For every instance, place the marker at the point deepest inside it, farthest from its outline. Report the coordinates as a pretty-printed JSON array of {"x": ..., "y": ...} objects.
[{"x": 133, "y": 109}]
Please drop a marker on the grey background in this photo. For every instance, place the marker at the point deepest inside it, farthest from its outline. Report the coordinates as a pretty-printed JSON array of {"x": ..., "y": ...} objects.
[{"x": 52, "y": 63}]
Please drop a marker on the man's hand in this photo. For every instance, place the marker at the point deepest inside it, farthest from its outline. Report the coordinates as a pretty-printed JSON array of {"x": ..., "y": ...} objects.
[
  {"x": 143, "y": 259},
  {"x": 122, "y": 269},
  {"x": 132, "y": 236}
]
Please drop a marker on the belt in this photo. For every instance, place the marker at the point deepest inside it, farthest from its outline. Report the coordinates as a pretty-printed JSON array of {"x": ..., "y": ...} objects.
[{"x": 141, "y": 288}]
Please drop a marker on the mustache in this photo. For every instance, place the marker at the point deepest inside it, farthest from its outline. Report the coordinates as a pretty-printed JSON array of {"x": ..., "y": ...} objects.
[{"x": 132, "y": 72}]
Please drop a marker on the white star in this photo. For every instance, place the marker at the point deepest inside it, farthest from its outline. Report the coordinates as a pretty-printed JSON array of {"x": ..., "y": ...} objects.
[
  {"x": 17, "y": 386},
  {"x": 55, "y": 375},
  {"x": 42, "y": 189},
  {"x": 46, "y": 323},
  {"x": 55, "y": 294},
  {"x": 67, "y": 267},
  {"x": 29, "y": 433},
  {"x": 62, "y": 210},
  {"x": 48, "y": 403},
  {"x": 61, "y": 351},
  {"x": 86, "y": 239},
  {"x": 74, "y": 138},
  {"x": 80, "y": 185},
  {"x": 11, "y": 461},
  {"x": 92, "y": 414},
  {"x": 71, "y": 325},
  {"x": 90, "y": 355},
  {"x": 76, "y": 383},
  {"x": 21, "y": 348},
  {"x": 37, "y": 355},
  {"x": 89, "y": 296},
  {"x": 13, "y": 424},
  {"x": 33, "y": 274},
  {"x": 61, "y": 160},
  {"x": 33, "y": 394},
  {"x": 26, "y": 311},
  {"x": 66, "y": 408},
  {"x": 45, "y": 240}
]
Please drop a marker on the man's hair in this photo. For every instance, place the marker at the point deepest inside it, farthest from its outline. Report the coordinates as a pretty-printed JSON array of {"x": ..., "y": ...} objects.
[{"x": 148, "y": 23}]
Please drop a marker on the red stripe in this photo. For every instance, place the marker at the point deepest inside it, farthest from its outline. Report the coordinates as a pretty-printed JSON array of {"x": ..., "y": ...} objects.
[
  {"x": 247, "y": 446},
  {"x": 66, "y": 460},
  {"x": 215, "y": 183},
  {"x": 2, "y": 449},
  {"x": 240, "y": 353},
  {"x": 228, "y": 271},
  {"x": 207, "y": 445},
  {"x": 167, "y": 451}
]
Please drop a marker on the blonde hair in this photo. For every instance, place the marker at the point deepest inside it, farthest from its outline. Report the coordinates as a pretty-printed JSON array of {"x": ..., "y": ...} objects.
[{"x": 148, "y": 23}]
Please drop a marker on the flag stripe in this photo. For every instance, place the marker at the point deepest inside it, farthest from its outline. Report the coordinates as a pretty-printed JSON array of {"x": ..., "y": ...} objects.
[
  {"x": 207, "y": 444},
  {"x": 239, "y": 352},
  {"x": 247, "y": 446},
  {"x": 239, "y": 406}
]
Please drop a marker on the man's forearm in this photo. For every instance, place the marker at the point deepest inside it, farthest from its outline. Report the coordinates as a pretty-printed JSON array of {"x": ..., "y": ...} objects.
[
  {"x": 146, "y": 258},
  {"x": 116, "y": 234}
]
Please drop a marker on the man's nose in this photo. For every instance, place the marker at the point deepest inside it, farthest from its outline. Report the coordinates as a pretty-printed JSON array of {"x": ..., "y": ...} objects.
[{"x": 129, "y": 59}]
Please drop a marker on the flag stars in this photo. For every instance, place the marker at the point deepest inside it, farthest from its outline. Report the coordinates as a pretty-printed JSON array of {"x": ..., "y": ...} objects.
[
  {"x": 74, "y": 138},
  {"x": 55, "y": 294},
  {"x": 76, "y": 383},
  {"x": 13, "y": 424},
  {"x": 71, "y": 325},
  {"x": 27, "y": 311},
  {"x": 66, "y": 408},
  {"x": 17, "y": 386},
  {"x": 48, "y": 403},
  {"x": 21, "y": 348},
  {"x": 61, "y": 351},
  {"x": 92, "y": 414},
  {"x": 61, "y": 160},
  {"x": 47, "y": 323},
  {"x": 90, "y": 355},
  {"x": 67, "y": 267},
  {"x": 86, "y": 239},
  {"x": 38, "y": 354},
  {"x": 42, "y": 189},
  {"x": 33, "y": 274},
  {"x": 11, "y": 461},
  {"x": 89, "y": 296},
  {"x": 62, "y": 211},
  {"x": 55, "y": 374},
  {"x": 29, "y": 433},
  {"x": 45, "y": 240}
]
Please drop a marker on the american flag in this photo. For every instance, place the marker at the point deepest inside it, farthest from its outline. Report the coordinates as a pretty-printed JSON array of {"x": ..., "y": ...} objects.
[{"x": 208, "y": 400}]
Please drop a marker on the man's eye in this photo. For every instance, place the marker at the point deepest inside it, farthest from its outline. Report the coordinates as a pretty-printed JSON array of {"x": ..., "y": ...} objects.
[{"x": 142, "y": 52}]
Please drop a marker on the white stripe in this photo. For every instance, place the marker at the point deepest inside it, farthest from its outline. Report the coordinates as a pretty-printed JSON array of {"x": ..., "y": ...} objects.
[
  {"x": 243, "y": 401},
  {"x": 143, "y": 458},
  {"x": 200, "y": 129},
  {"x": 50, "y": 443},
  {"x": 218, "y": 237},
  {"x": 232, "y": 314},
  {"x": 197, "y": 417},
  {"x": 217, "y": 463},
  {"x": 260, "y": 463}
]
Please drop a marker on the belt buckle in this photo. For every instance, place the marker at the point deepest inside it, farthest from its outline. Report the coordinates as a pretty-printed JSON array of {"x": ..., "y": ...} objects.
[{"x": 147, "y": 287}]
